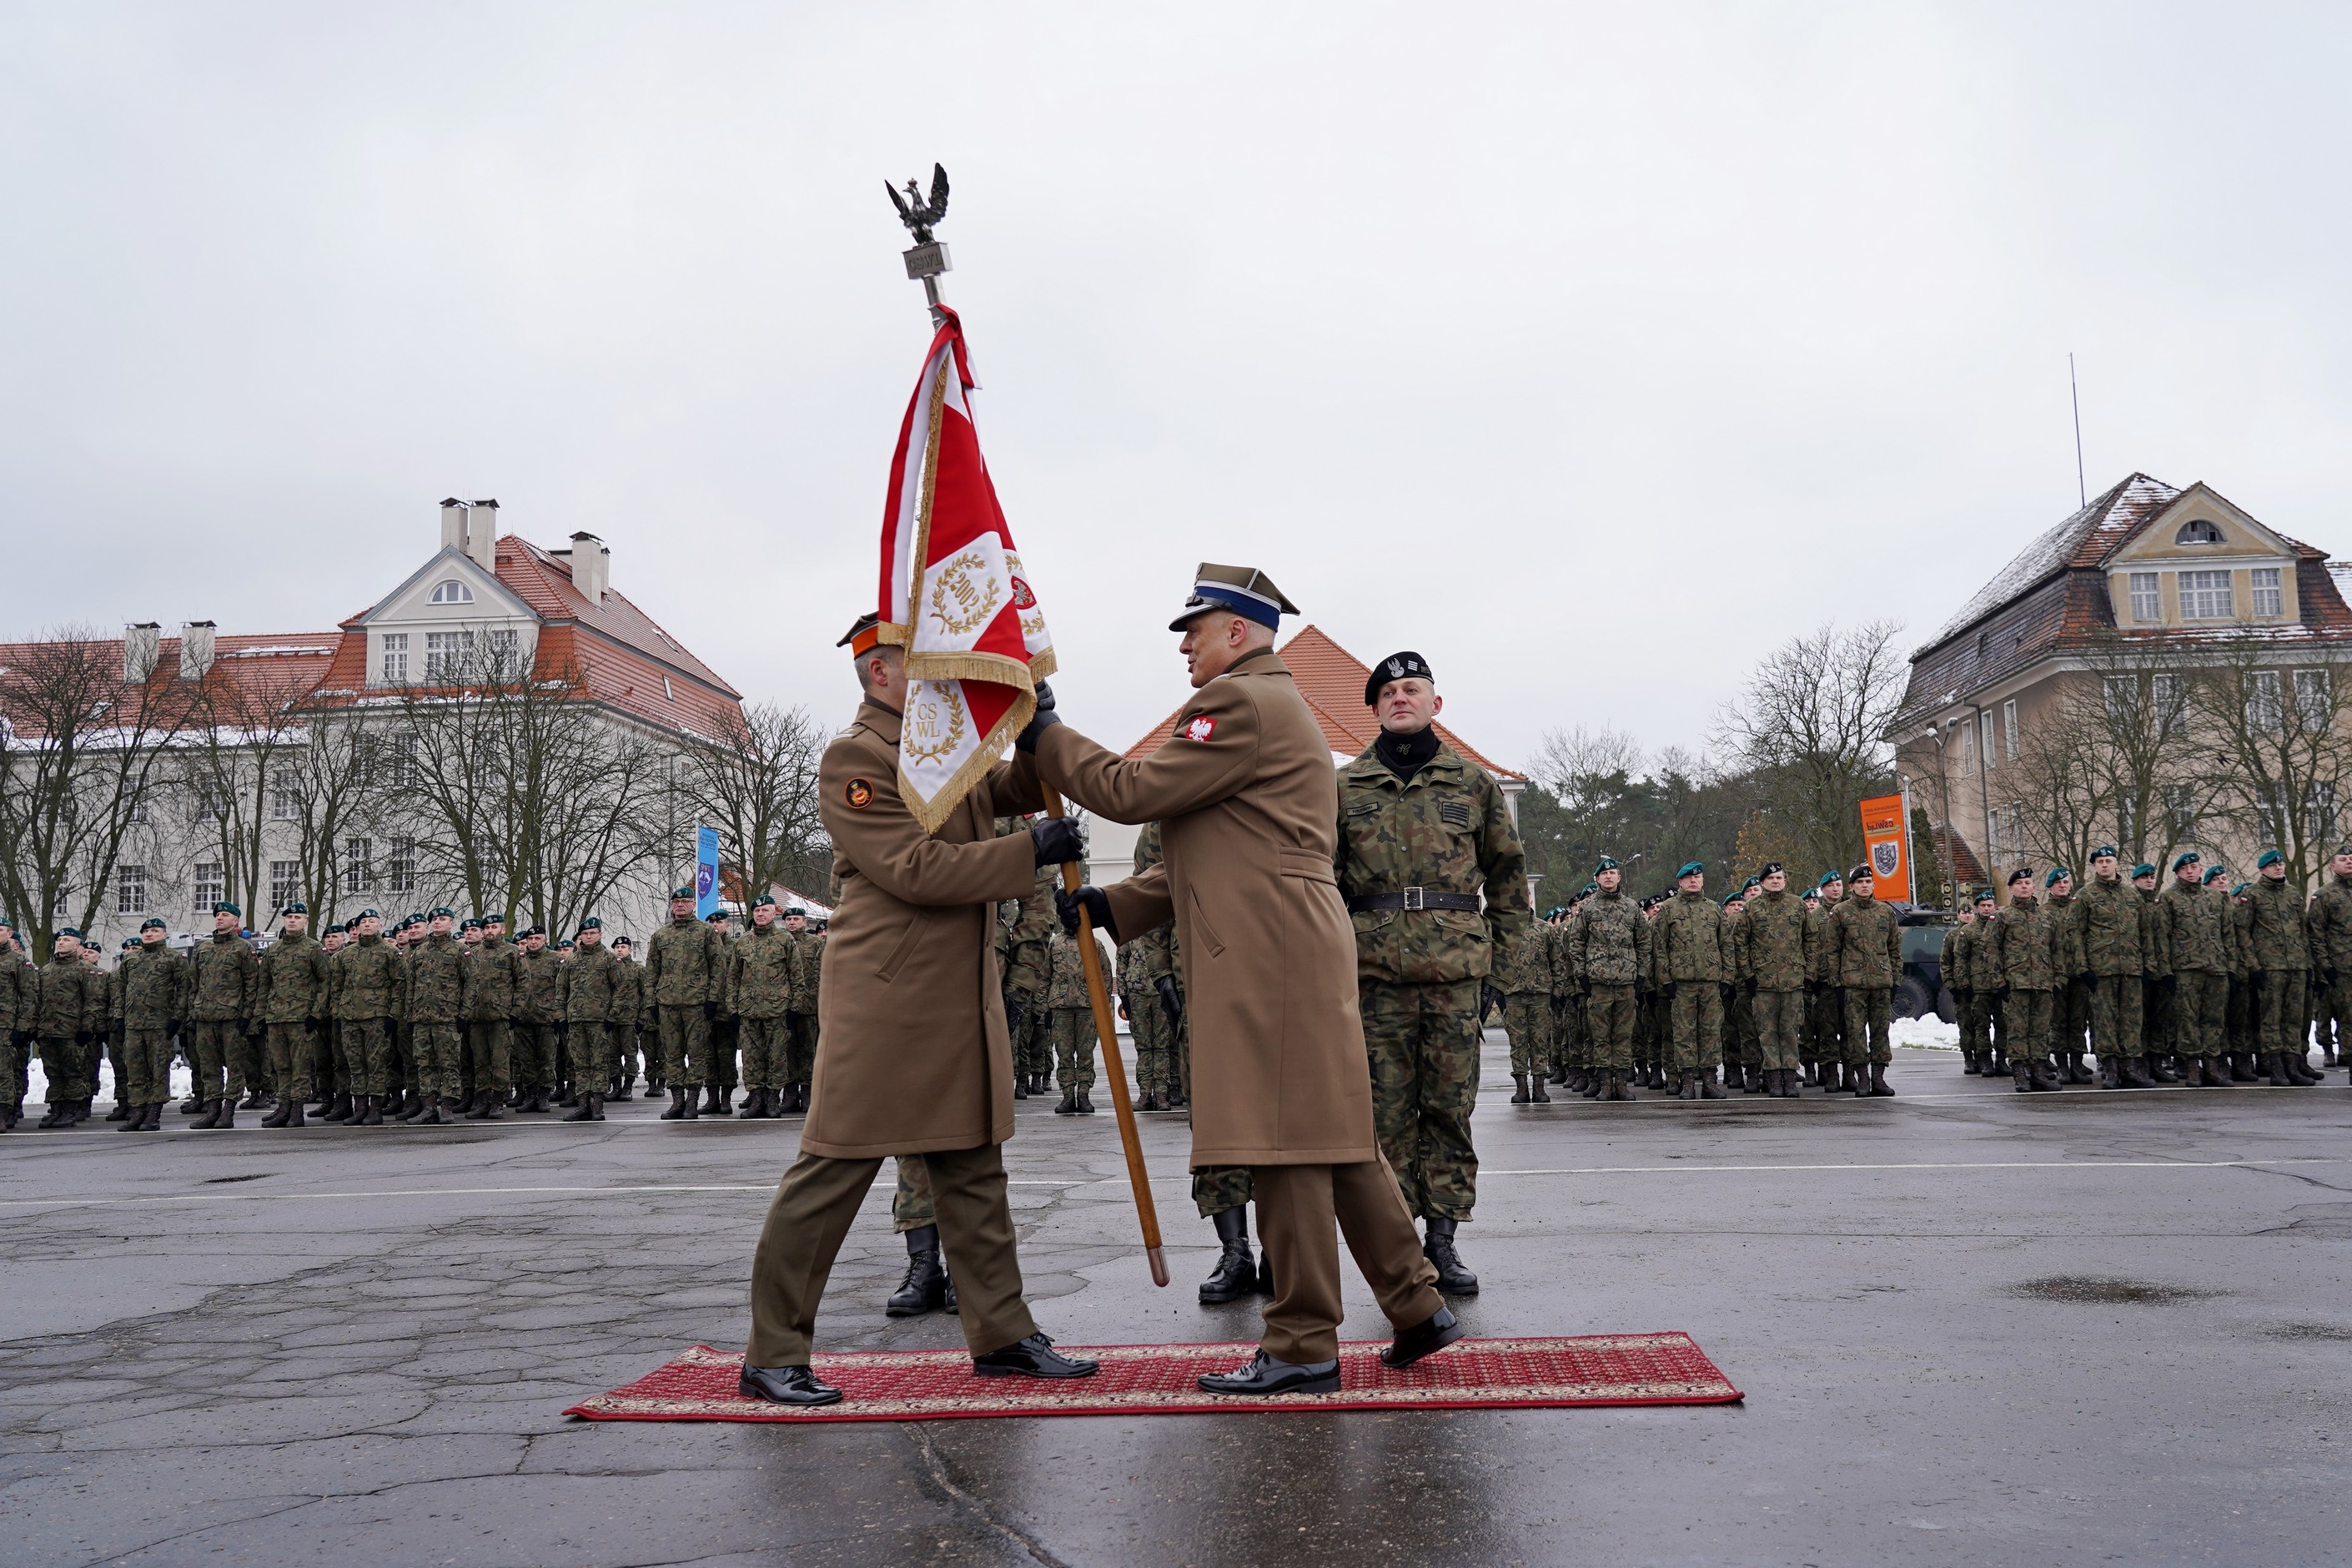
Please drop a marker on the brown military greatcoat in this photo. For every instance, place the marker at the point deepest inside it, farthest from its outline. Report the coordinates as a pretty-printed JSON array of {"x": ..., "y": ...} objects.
[
  {"x": 912, "y": 1054},
  {"x": 1248, "y": 805}
]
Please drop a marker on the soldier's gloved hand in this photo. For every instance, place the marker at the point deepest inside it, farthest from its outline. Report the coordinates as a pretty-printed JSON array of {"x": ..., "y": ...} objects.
[
  {"x": 1490, "y": 1001},
  {"x": 2255, "y": 979},
  {"x": 1056, "y": 840},
  {"x": 20, "y": 1038},
  {"x": 2329, "y": 976},
  {"x": 793, "y": 1020},
  {"x": 710, "y": 1011},
  {"x": 172, "y": 1030},
  {"x": 2003, "y": 993},
  {"x": 1669, "y": 989},
  {"x": 1751, "y": 986},
  {"x": 1016, "y": 1014},
  {"x": 1042, "y": 720},
  {"x": 245, "y": 1025},
  {"x": 464, "y": 1023},
  {"x": 2091, "y": 983},
  {"x": 2171, "y": 985},
  {"x": 1169, "y": 1003},
  {"x": 1091, "y": 898},
  {"x": 1558, "y": 1006}
]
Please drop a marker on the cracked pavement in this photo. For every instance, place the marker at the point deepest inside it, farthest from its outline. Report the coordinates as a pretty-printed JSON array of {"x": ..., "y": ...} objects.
[{"x": 1972, "y": 1327}]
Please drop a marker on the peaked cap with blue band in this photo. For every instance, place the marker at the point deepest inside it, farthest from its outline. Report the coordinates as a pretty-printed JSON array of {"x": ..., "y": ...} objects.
[{"x": 1244, "y": 590}]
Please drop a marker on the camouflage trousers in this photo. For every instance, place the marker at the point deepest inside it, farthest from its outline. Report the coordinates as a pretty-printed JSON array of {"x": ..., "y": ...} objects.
[
  {"x": 489, "y": 1066},
  {"x": 593, "y": 1053},
  {"x": 2283, "y": 1020},
  {"x": 1073, "y": 1038},
  {"x": 1217, "y": 1188},
  {"x": 1526, "y": 1018},
  {"x": 531, "y": 1055},
  {"x": 1826, "y": 1021},
  {"x": 1609, "y": 1024},
  {"x": 248, "y": 1062},
  {"x": 2242, "y": 1017},
  {"x": 725, "y": 1037},
  {"x": 369, "y": 1042},
  {"x": 912, "y": 1208},
  {"x": 2331, "y": 1007},
  {"x": 1569, "y": 1044},
  {"x": 61, "y": 1059},
  {"x": 2199, "y": 1004},
  {"x": 1779, "y": 1025},
  {"x": 146, "y": 1068},
  {"x": 767, "y": 1049},
  {"x": 2157, "y": 1010},
  {"x": 1976, "y": 1024},
  {"x": 2027, "y": 1016},
  {"x": 114, "y": 1061},
  {"x": 1868, "y": 1016},
  {"x": 289, "y": 1058},
  {"x": 1422, "y": 1044},
  {"x": 1033, "y": 1051},
  {"x": 1694, "y": 1012},
  {"x": 439, "y": 1071},
  {"x": 1741, "y": 1044},
  {"x": 12, "y": 1070},
  {"x": 1156, "y": 1070},
  {"x": 685, "y": 1041},
  {"x": 216, "y": 1062},
  {"x": 2115, "y": 1017}
]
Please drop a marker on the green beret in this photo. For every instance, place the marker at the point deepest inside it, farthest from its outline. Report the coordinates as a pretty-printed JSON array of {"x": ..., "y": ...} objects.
[
  {"x": 2105, "y": 852},
  {"x": 296, "y": 908},
  {"x": 591, "y": 922},
  {"x": 564, "y": 946},
  {"x": 2187, "y": 857},
  {"x": 721, "y": 914},
  {"x": 1731, "y": 899},
  {"x": 73, "y": 932},
  {"x": 2057, "y": 875},
  {"x": 2239, "y": 891},
  {"x": 1691, "y": 868},
  {"x": 153, "y": 922},
  {"x": 441, "y": 912},
  {"x": 1588, "y": 889},
  {"x": 768, "y": 899},
  {"x": 225, "y": 908},
  {"x": 2142, "y": 870},
  {"x": 493, "y": 920},
  {"x": 2215, "y": 875},
  {"x": 683, "y": 892},
  {"x": 367, "y": 914},
  {"x": 1987, "y": 896},
  {"x": 2269, "y": 857},
  {"x": 1604, "y": 864}
]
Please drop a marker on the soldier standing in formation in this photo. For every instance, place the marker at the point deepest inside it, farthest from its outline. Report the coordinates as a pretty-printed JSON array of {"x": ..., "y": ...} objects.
[
  {"x": 1070, "y": 1010},
  {"x": 1867, "y": 958},
  {"x": 291, "y": 980},
  {"x": 685, "y": 970},
  {"x": 2109, "y": 939},
  {"x": 226, "y": 985},
  {"x": 153, "y": 984},
  {"x": 1151, "y": 990},
  {"x": 762, "y": 967},
  {"x": 1686, "y": 945},
  {"x": 1775, "y": 941},
  {"x": 1524, "y": 976},
  {"x": 591, "y": 1021},
  {"x": 1608, "y": 944}
]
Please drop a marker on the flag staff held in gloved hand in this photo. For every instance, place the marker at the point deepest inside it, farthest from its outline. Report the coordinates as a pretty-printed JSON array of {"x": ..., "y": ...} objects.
[{"x": 977, "y": 651}]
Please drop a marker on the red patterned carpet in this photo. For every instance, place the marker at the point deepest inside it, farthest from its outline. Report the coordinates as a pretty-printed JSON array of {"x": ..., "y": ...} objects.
[{"x": 1158, "y": 1380}]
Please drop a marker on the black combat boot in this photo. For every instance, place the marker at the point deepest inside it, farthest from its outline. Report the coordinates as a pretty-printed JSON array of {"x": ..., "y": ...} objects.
[
  {"x": 2298, "y": 1068},
  {"x": 338, "y": 1111},
  {"x": 2024, "y": 1076},
  {"x": 688, "y": 1107},
  {"x": 1437, "y": 1246},
  {"x": 134, "y": 1120},
  {"x": 193, "y": 1105},
  {"x": 493, "y": 1108},
  {"x": 1619, "y": 1088},
  {"x": 431, "y": 1115},
  {"x": 2274, "y": 1070},
  {"x": 286, "y": 1109},
  {"x": 372, "y": 1111},
  {"x": 590, "y": 1109},
  {"x": 925, "y": 1286},
  {"x": 1085, "y": 1106},
  {"x": 1751, "y": 1078},
  {"x": 1021, "y": 1086},
  {"x": 154, "y": 1117},
  {"x": 1686, "y": 1085},
  {"x": 227, "y": 1115},
  {"x": 2045, "y": 1074},
  {"x": 1518, "y": 1088},
  {"x": 294, "y": 1115},
  {"x": 722, "y": 1100},
  {"x": 203, "y": 1122},
  {"x": 121, "y": 1111},
  {"x": 2110, "y": 1073},
  {"x": 755, "y": 1104},
  {"x": 1828, "y": 1077},
  {"x": 1069, "y": 1106},
  {"x": 1788, "y": 1083},
  {"x": 1596, "y": 1085},
  {"x": 2242, "y": 1068},
  {"x": 1235, "y": 1275},
  {"x": 1707, "y": 1085},
  {"x": 1878, "y": 1084},
  {"x": 621, "y": 1088},
  {"x": 2134, "y": 1072},
  {"x": 1535, "y": 1091},
  {"x": 2210, "y": 1072}
]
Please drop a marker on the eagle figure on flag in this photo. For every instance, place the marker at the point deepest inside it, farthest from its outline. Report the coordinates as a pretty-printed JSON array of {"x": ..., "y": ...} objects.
[{"x": 952, "y": 594}]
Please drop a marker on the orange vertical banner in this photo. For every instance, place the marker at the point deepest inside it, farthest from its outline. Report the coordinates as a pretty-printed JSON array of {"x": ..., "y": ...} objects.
[{"x": 1886, "y": 847}]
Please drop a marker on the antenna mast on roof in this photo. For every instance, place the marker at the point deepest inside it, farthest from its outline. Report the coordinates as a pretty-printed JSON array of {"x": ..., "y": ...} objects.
[{"x": 2081, "y": 491}]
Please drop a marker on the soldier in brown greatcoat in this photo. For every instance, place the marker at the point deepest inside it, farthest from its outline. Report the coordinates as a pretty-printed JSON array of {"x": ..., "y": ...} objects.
[
  {"x": 912, "y": 1055},
  {"x": 1248, "y": 806}
]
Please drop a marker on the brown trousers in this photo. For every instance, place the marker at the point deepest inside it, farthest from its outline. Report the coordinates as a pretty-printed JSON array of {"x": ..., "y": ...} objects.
[
  {"x": 812, "y": 1213},
  {"x": 1295, "y": 1207}
]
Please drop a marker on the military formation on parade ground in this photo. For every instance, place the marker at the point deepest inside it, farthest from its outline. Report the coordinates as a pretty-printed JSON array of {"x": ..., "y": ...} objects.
[{"x": 427, "y": 1022}]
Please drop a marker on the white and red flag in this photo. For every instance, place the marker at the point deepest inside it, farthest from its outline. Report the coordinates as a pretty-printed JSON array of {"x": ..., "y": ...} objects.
[{"x": 954, "y": 595}]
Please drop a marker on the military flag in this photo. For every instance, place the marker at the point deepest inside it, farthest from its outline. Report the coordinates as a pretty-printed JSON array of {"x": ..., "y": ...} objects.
[{"x": 952, "y": 593}]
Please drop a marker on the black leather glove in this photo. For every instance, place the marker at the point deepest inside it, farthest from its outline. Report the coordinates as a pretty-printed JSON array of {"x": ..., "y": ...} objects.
[
  {"x": 793, "y": 1020},
  {"x": 245, "y": 1025},
  {"x": 2003, "y": 993},
  {"x": 464, "y": 1023},
  {"x": 1558, "y": 1006},
  {"x": 1669, "y": 988},
  {"x": 1169, "y": 1003},
  {"x": 1093, "y": 900},
  {"x": 1057, "y": 840},
  {"x": 562, "y": 1026},
  {"x": 1016, "y": 1013},
  {"x": 1490, "y": 1001},
  {"x": 2171, "y": 984},
  {"x": 174, "y": 1029},
  {"x": 710, "y": 1011},
  {"x": 1751, "y": 986},
  {"x": 1042, "y": 720},
  {"x": 20, "y": 1038},
  {"x": 2255, "y": 979},
  {"x": 2329, "y": 976},
  {"x": 84, "y": 1038},
  {"x": 2091, "y": 983}
]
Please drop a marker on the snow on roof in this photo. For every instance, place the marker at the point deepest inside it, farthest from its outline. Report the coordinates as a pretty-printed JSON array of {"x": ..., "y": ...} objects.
[{"x": 2127, "y": 502}]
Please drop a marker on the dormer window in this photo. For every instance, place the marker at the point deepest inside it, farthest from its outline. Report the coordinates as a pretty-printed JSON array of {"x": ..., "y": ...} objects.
[
  {"x": 2199, "y": 532},
  {"x": 452, "y": 592}
]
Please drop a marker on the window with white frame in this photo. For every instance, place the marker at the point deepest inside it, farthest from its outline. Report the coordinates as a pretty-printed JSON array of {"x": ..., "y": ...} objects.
[
  {"x": 207, "y": 885},
  {"x": 452, "y": 592},
  {"x": 446, "y": 655},
  {"x": 58, "y": 900},
  {"x": 359, "y": 866},
  {"x": 2319, "y": 810},
  {"x": 395, "y": 761},
  {"x": 139, "y": 808},
  {"x": 129, "y": 889},
  {"x": 506, "y": 653},
  {"x": 2179, "y": 808},
  {"x": 2146, "y": 606},
  {"x": 400, "y": 866},
  {"x": 2263, "y": 710},
  {"x": 2268, "y": 599},
  {"x": 392, "y": 659},
  {"x": 2313, "y": 709},
  {"x": 2270, "y": 803},
  {"x": 1984, "y": 724},
  {"x": 2171, "y": 703},
  {"x": 2128, "y": 819},
  {"x": 2009, "y": 729},
  {"x": 1967, "y": 751},
  {"x": 2199, "y": 532},
  {"x": 2205, "y": 597},
  {"x": 285, "y": 794},
  {"x": 285, "y": 882},
  {"x": 2121, "y": 693}
]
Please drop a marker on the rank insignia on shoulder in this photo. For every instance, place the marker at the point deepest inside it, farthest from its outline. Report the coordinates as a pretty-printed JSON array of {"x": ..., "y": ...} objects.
[
  {"x": 859, "y": 794},
  {"x": 1199, "y": 728}
]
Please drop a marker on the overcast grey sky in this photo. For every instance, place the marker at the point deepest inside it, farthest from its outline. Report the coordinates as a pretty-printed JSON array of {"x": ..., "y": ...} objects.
[{"x": 1589, "y": 350}]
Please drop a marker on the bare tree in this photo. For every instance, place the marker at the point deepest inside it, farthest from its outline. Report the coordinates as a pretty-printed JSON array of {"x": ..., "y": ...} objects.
[
  {"x": 341, "y": 785},
  {"x": 80, "y": 748},
  {"x": 1809, "y": 730},
  {"x": 2273, "y": 727},
  {"x": 756, "y": 783},
  {"x": 236, "y": 756}
]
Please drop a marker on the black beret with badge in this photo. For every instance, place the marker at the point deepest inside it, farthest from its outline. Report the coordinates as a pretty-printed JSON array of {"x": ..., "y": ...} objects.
[{"x": 1396, "y": 666}]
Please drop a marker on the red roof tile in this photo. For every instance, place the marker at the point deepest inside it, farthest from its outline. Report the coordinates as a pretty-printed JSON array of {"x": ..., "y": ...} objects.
[{"x": 264, "y": 672}]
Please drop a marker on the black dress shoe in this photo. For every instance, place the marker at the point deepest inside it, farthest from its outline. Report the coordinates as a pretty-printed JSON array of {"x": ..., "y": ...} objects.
[
  {"x": 785, "y": 1385},
  {"x": 1264, "y": 1374},
  {"x": 1422, "y": 1339},
  {"x": 1032, "y": 1357}
]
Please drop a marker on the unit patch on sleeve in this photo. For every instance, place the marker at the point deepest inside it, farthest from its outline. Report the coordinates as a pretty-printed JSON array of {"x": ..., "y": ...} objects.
[
  {"x": 859, "y": 794},
  {"x": 1200, "y": 728}
]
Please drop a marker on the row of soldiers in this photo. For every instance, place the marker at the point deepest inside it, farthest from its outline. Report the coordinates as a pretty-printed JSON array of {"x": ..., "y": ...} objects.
[
  {"x": 1773, "y": 990},
  {"x": 425, "y": 1022},
  {"x": 2206, "y": 983}
]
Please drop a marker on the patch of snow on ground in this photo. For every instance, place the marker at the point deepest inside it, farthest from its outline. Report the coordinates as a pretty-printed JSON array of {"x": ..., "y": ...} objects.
[
  {"x": 1928, "y": 1033},
  {"x": 36, "y": 1082}
]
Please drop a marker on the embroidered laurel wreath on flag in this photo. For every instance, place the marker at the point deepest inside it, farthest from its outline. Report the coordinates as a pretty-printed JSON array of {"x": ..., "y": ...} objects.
[{"x": 954, "y": 595}]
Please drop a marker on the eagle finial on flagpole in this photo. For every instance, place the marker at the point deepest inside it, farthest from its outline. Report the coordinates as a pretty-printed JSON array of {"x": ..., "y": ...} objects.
[{"x": 928, "y": 257}]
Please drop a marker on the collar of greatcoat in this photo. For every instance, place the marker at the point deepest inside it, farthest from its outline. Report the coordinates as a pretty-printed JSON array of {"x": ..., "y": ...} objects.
[{"x": 882, "y": 721}]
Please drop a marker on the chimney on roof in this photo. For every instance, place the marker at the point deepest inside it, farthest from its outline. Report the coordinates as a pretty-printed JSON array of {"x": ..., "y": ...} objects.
[
  {"x": 482, "y": 533},
  {"x": 453, "y": 523},
  {"x": 592, "y": 567},
  {"x": 195, "y": 650},
  {"x": 142, "y": 646}
]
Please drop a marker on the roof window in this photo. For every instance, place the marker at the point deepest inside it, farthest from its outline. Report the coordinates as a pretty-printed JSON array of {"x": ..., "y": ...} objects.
[
  {"x": 452, "y": 592},
  {"x": 2198, "y": 532}
]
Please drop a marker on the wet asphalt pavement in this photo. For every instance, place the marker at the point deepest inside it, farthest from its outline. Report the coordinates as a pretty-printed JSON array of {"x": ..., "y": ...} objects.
[{"x": 1972, "y": 1327}]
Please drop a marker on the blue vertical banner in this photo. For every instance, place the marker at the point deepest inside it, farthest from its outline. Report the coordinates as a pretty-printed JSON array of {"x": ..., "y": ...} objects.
[{"x": 706, "y": 870}]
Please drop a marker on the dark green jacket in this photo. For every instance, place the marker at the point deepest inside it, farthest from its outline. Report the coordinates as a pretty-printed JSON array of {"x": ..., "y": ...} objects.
[
  {"x": 292, "y": 980},
  {"x": 1868, "y": 943},
  {"x": 2025, "y": 946},
  {"x": 2276, "y": 925},
  {"x": 1448, "y": 830},
  {"x": 2195, "y": 923},
  {"x": 686, "y": 965},
  {"x": 227, "y": 978},
  {"x": 2330, "y": 925},
  {"x": 1610, "y": 941},
  {"x": 367, "y": 978},
  {"x": 1688, "y": 940},
  {"x": 2105, "y": 920},
  {"x": 1775, "y": 941},
  {"x": 68, "y": 998},
  {"x": 154, "y": 981},
  {"x": 761, "y": 968},
  {"x": 588, "y": 985},
  {"x": 436, "y": 981}
]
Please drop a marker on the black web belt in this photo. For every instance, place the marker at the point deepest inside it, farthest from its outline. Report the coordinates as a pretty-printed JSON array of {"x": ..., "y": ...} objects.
[{"x": 1413, "y": 898}]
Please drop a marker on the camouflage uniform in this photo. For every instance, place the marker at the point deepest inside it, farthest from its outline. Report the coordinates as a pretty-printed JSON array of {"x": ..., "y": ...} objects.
[
  {"x": 1525, "y": 981},
  {"x": 1776, "y": 956},
  {"x": 16, "y": 1017},
  {"x": 493, "y": 977},
  {"x": 2026, "y": 950},
  {"x": 685, "y": 969},
  {"x": 437, "y": 985},
  {"x": 760, "y": 979},
  {"x": 226, "y": 985},
  {"x": 113, "y": 1039},
  {"x": 154, "y": 985},
  {"x": 2243, "y": 1010},
  {"x": 2193, "y": 951},
  {"x": 1159, "y": 1074},
  {"x": 722, "y": 1073},
  {"x": 2281, "y": 960},
  {"x": 1572, "y": 1057},
  {"x": 2105, "y": 920},
  {"x": 1957, "y": 963},
  {"x": 2157, "y": 1006},
  {"x": 537, "y": 1008},
  {"x": 1867, "y": 956},
  {"x": 627, "y": 1014},
  {"x": 1441, "y": 835},
  {"x": 1072, "y": 1012},
  {"x": 2331, "y": 962},
  {"x": 292, "y": 980},
  {"x": 366, "y": 993},
  {"x": 1689, "y": 944},
  {"x": 808, "y": 974},
  {"x": 2070, "y": 999},
  {"x": 66, "y": 1010},
  {"x": 1021, "y": 958},
  {"x": 1609, "y": 943},
  {"x": 589, "y": 979}
]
